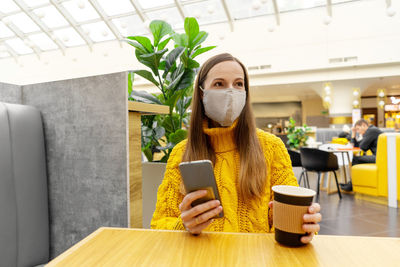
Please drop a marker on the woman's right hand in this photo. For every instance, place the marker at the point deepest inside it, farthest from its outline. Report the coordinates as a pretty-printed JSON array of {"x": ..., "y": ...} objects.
[{"x": 195, "y": 219}]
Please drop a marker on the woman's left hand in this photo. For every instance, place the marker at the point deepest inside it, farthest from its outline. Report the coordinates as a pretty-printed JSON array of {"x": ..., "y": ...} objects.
[{"x": 311, "y": 220}]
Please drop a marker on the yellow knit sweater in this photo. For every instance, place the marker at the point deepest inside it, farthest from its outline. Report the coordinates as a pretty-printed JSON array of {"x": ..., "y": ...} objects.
[{"x": 240, "y": 215}]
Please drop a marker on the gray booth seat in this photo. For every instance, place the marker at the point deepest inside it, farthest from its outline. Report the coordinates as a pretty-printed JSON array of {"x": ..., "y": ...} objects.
[{"x": 24, "y": 218}]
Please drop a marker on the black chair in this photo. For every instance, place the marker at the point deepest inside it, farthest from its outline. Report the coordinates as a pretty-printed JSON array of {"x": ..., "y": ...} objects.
[
  {"x": 296, "y": 162},
  {"x": 316, "y": 160}
]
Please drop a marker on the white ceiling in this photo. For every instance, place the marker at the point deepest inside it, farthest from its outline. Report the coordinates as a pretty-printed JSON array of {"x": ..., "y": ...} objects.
[
  {"x": 299, "y": 91},
  {"x": 37, "y": 26}
]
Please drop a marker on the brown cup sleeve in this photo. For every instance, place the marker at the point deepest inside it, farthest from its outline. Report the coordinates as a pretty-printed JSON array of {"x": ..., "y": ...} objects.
[{"x": 289, "y": 218}]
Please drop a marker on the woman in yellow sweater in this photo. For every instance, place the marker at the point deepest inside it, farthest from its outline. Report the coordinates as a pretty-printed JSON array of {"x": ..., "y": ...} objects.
[{"x": 247, "y": 161}]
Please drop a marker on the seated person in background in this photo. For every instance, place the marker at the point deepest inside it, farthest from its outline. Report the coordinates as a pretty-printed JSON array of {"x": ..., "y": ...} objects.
[
  {"x": 369, "y": 141},
  {"x": 247, "y": 161},
  {"x": 345, "y": 133}
]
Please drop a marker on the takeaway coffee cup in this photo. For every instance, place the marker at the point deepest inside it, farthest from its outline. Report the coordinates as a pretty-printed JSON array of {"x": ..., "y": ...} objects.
[{"x": 290, "y": 205}]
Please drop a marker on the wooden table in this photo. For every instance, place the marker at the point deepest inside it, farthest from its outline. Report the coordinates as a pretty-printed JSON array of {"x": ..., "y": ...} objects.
[{"x": 141, "y": 247}]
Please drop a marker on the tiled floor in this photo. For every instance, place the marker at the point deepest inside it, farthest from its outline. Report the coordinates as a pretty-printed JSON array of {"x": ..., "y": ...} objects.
[{"x": 350, "y": 216}]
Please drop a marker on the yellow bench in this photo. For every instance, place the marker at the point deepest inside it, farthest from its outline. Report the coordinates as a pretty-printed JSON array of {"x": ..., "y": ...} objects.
[{"x": 371, "y": 178}]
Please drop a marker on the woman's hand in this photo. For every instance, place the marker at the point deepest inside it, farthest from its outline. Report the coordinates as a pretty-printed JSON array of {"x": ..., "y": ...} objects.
[
  {"x": 311, "y": 220},
  {"x": 195, "y": 219}
]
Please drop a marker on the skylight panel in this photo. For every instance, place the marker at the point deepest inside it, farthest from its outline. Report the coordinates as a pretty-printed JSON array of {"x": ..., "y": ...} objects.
[
  {"x": 5, "y": 31},
  {"x": 35, "y": 3},
  {"x": 154, "y": 3},
  {"x": 290, "y": 5},
  {"x": 24, "y": 23},
  {"x": 116, "y": 7},
  {"x": 130, "y": 25},
  {"x": 19, "y": 46},
  {"x": 98, "y": 31},
  {"x": 206, "y": 12},
  {"x": 7, "y": 6},
  {"x": 81, "y": 10},
  {"x": 170, "y": 15},
  {"x": 246, "y": 9},
  {"x": 4, "y": 54},
  {"x": 43, "y": 41},
  {"x": 51, "y": 17},
  {"x": 69, "y": 37}
]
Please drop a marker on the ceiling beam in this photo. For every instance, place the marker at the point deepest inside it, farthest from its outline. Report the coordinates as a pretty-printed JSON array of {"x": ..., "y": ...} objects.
[
  {"x": 329, "y": 7},
  {"x": 72, "y": 23},
  {"x": 180, "y": 8},
  {"x": 22, "y": 36},
  {"x": 11, "y": 51},
  {"x": 228, "y": 14},
  {"x": 103, "y": 15},
  {"x": 276, "y": 11},
  {"x": 40, "y": 24},
  {"x": 139, "y": 10}
]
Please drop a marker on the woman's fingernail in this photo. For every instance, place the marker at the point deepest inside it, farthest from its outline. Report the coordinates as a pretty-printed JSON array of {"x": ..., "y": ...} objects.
[{"x": 311, "y": 209}]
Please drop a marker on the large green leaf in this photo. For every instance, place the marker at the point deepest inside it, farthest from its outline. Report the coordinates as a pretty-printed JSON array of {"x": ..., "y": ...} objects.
[
  {"x": 161, "y": 66},
  {"x": 148, "y": 153},
  {"x": 147, "y": 75},
  {"x": 185, "y": 58},
  {"x": 162, "y": 45},
  {"x": 172, "y": 58},
  {"x": 183, "y": 103},
  {"x": 178, "y": 136},
  {"x": 159, "y": 29},
  {"x": 192, "y": 64},
  {"x": 181, "y": 39},
  {"x": 174, "y": 82},
  {"x": 138, "y": 46},
  {"x": 187, "y": 80},
  {"x": 201, "y": 51},
  {"x": 152, "y": 60},
  {"x": 191, "y": 29},
  {"x": 176, "y": 77},
  {"x": 201, "y": 37},
  {"x": 144, "y": 41},
  {"x": 146, "y": 97}
]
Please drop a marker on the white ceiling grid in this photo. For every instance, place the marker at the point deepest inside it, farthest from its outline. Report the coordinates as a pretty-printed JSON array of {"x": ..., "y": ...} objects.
[{"x": 36, "y": 26}]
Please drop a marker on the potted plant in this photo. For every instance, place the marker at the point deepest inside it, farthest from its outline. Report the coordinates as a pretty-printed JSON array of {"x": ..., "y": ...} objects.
[
  {"x": 297, "y": 136},
  {"x": 173, "y": 73}
]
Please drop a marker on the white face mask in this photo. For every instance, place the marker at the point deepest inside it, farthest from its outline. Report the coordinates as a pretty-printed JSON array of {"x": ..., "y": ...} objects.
[{"x": 223, "y": 105}]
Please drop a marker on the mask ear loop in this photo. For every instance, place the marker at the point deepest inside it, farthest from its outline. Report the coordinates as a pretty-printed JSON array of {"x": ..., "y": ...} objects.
[{"x": 201, "y": 88}]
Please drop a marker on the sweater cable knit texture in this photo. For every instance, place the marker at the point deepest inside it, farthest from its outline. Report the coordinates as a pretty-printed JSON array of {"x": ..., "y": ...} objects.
[{"x": 240, "y": 215}]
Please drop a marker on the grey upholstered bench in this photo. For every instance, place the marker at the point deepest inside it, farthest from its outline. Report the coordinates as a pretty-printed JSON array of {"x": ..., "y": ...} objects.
[{"x": 24, "y": 218}]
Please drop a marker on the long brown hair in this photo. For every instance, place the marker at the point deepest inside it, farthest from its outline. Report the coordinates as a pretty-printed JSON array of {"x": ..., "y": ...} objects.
[{"x": 252, "y": 176}]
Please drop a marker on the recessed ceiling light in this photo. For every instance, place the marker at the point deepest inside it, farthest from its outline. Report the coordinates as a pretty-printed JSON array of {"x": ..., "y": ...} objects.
[
  {"x": 256, "y": 5},
  {"x": 210, "y": 9},
  {"x": 81, "y": 4},
  {"x": 327, "y": 20},
  {"x": 40, "y": 14},
  {"x": 390, "y": 11}
]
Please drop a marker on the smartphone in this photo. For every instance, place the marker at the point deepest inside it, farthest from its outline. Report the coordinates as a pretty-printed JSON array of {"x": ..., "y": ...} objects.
[{"x": 199, "y": 175}]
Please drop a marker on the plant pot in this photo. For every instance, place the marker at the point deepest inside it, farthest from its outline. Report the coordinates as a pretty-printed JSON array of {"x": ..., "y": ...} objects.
[{"x": 152, "y": 176}]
